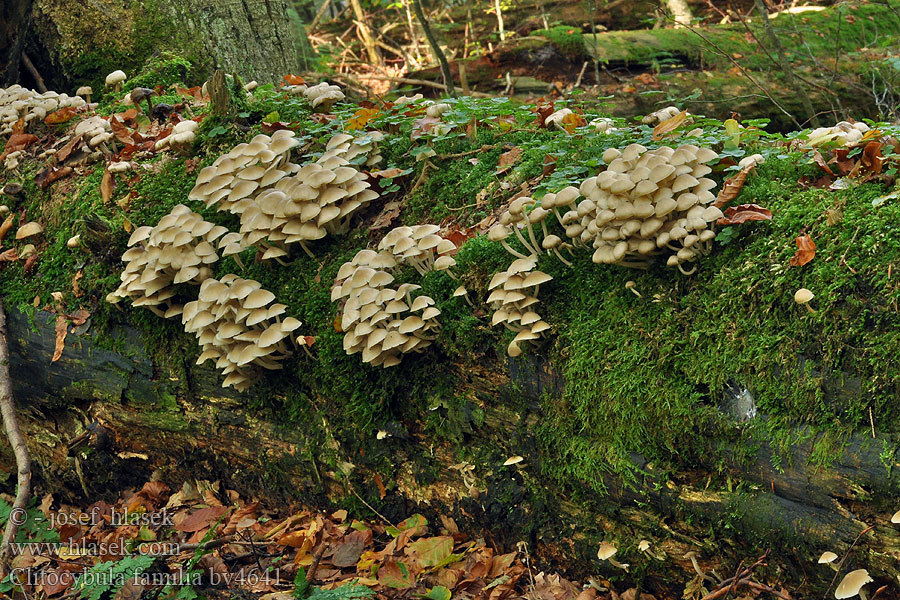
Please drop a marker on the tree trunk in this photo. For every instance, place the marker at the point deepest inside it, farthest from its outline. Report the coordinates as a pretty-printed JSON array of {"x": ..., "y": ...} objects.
[
  {"x": 680, "y": 12},
  {"x": 256, "y": 39},
  {"x": 13, "y": 21},
  {"x": 365, "y": 33},
  {"x": 99, "y": 420},
  {"x": 435, "y": 47}
]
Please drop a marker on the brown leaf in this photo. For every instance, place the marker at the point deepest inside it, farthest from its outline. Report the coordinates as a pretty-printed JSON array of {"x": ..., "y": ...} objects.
[
  {"x": 29, "y": 263},
  {"x": 66, "y": 150},
  {"x": 241, "y": 518},
  {"x": 387, "y": 215},
  {"x": 132, "y": 590},
  {"x": 7, "y": 225},
  {"x": 735, "y": 215},
  {"x": 817, "y": 157},
  {"x": 510, "y": 157},
  {"x": 122, "y": 133},
  {"x": 201, "y": 519},
  {"x": 62, "y": 328},
  {"x": 107, "y": 186},
  {"x": 19, "y": 126},
  {"x": 549, "y": 165},
  {"x": 348, "y": 550},
  {"x": 732, "y": 187},
  {"x": 79, "y": 318},
  {"x": 75, "y": 288},
  {"x": 806, "y": 250},
  {"x": 51, "y": 174},
  {"x": 669, "y": 125},
  {"x": 423, "y": 126},
  {"x": 387, "y": 173},
  {"x": 871, "y": 160},
  {"x": 380, "y": 485},
  {"x": 55, "y": 582},
  {"x": 293, "y": 80},
  {"x": 542, "y": 113},
  {"x": 9, "y": 255}
]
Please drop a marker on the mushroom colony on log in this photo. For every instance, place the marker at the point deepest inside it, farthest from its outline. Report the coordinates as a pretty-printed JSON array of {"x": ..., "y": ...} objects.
[
  {"x": 238, "y": 326},
  {"x": 179, "y": 249},
  {"x": 384, "y": 322},
  {"x": 513, "y": 298},
  {"x": 280, "y": 202}
]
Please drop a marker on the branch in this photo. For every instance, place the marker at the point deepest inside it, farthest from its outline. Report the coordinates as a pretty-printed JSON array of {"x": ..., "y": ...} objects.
[
  {"x": 438, "y": 53},
  {"x": 17, "y": 441}
]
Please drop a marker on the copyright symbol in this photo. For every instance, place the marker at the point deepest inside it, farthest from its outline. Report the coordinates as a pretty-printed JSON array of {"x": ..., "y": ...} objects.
[{"x": 18, "y": 516}]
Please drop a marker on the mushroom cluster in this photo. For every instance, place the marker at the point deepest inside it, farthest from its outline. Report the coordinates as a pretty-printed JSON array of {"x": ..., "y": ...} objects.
[
  {"x": 97, "y": 134},
  {"x": 848, "y": 134},
  {"x": 658, "y": 116},
  {"x": 182, "y": 136},
  {"x": 513, "y": 297},
  {"x": 647, "y": 202},
  {"x": 179, "y": 249},
  {"x": 238, "y": 326},
  {"x": 421, "y": 247},
  {"x": 380, "y": 321},
  {"x": 17, "y": 102},
  {"x": 276, "y": 208},
  {"x": 361, "y": 150},
  {"x": 323, "y": 95}
]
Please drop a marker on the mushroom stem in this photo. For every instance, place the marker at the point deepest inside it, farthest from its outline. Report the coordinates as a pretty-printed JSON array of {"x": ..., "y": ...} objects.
[
  {"x": 240, "y": 263},
  {"x": 308, "y": 353},
  {"x": 691, "y": 272},
  {"x": 615, "y": 563},
  {"x": 560, "y": 257},
  {"x": 306, "y": 249},
  {"x": 468, "y": 301},
  {"x": 809, "y": 308},
  {"x": 525, "y": 243},
  {"x": 531, "y": 235},
  {"x": 511, "y": 251}
]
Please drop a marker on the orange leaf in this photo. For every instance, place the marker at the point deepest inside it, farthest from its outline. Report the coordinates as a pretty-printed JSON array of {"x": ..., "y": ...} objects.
[
  {"x": 870, "y": 161},
  {"x": 510, "y": 157},
  {"x": 669, "y": 125},
  {"x": 75, "y": 289},
  {"x": 7, "y": 225},
  {"x": 60, "y": 116},
  {"x": 572, "y": 121},
  {"x": 19, "y": 126},
  {"x": 127, "y": 226},
  {"x": 806, "y": 250},
  {"x": 380, "y": 485},
  {"x": 293, "y": 80},
  {"x": 361, "y": 118}
]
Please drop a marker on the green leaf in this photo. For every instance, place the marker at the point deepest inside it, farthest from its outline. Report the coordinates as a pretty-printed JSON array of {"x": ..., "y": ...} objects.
[{"x": 438, "y": 592}]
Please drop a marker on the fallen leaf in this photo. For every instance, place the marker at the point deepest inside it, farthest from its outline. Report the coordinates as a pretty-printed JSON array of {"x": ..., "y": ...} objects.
[
  {"x": 348, "y": 550},
  {"x": 361, "y": 118},
  {"x": 390, "y": 173},
  {"x": 806, "y": 250},
  {"x": 423, "y": 126},
  {"x": 669, "y": 125},
  {"x": 107, "y": 186},
  {"x": 817, "y": 157},
  {"x": 510, "y": 157},
  {"x": 549, "y": 165},
  {"x": 870, "y": 161},
  {"x": 395, "y": 574},
  {"x": 572, "y": 121},
  {"x": 51, "y": 174},
  {"x": 732, "y": 187},
  {"x": 380, "y": 485},
  {"x": 75, "y": 289},
  {"x": 62, "y": 328},
  {"x": 60, "y": 116},
  {"x": 127, "y": 226},
  {"x": 201, "y": 519},
  {"x": 9, "y": 255},
  {"x": 735, "y": 215},
  {"x": 429, "y": 552},
  {"x": 7, "y": 225},
  {"x": 293, "y": 80}
]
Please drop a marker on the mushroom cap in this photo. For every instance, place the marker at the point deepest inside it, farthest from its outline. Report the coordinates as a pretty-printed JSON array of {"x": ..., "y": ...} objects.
[
  {"x": 84, "y": 90},
  {"x": 852, "y": 583},
  {"x": 827, "y": 557},
  {"x": 116, "y": 77},
  {"x": 896, "y": 517},
  {"x": 803, "y": 295},
  {"x": 606, "y": 551}
]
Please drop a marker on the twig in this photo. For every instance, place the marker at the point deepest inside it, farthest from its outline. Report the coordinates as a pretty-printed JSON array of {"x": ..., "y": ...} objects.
[
  {"x": 17, "y": 441},
  {"x": 485, "y": 148},
  {"x": 844, "y": 559},
  {"x": 421, "y": 178},
  {"x": 843, "y": 262},
  {"x": 744, "y": 72},
  {"x": 369, "y": 506},
  {"x": 423, "y": 82},
  {"x": 435, "y": 47},
  {"x": 580, "y": 75},
  {"x": 872, "y": 422},
  {"x": 319, "y": 15}
]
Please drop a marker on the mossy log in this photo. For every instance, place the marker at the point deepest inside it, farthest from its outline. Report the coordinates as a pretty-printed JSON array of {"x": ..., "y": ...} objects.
[{"x": 100, "y": 419}]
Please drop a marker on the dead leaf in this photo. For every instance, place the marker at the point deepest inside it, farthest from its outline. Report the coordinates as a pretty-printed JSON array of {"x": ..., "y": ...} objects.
[
  {"x": 201, "y": 519},
  {"x": 817, "y": 157},
  {"x": 9, "y": 255},
  {"x": 732, "y": 187},
  {"x": 423, "y": 126},
  {"x": 549, "y": 165},
  {"x": 389, "y": 173},
  {"x": 107, "y": 186},
  {"x": 735, "y": 215},
  {"x": 293, "y": 80},
  {"x": 669, "y": 125},
  {"x": 7, "y": 225},
  {"x": 871, "y": 160},
  {"x": 350, "y": 548},
  {"x": 60, "y": 116},
  {"x": 396, "y": 574},
  {"x": 510, "y": 157},
  {"x": 62, "y": 328},
  {"x": 806, "y": 250},
  {"x": 51, "y": 174},
  {"x": 573, "y": 121},
  {"x": 361, "y": 118},
  {"x": 75, "y": 288},
  {"x": 380, "y": 485}
]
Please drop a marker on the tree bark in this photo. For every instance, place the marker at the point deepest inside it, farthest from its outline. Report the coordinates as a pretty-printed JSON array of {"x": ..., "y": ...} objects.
[
  {"x": 13, "y": 21},
  {"x": 116, "y": 402}
]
